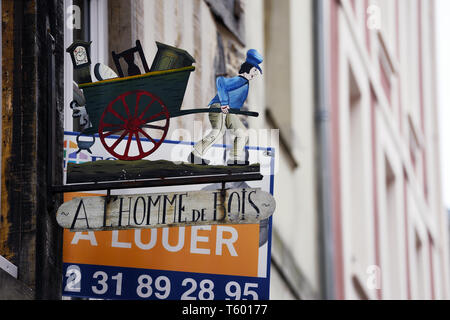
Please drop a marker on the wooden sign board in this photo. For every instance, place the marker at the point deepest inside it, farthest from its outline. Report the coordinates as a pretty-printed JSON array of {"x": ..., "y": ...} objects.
[{"x": 233, "y": 206}]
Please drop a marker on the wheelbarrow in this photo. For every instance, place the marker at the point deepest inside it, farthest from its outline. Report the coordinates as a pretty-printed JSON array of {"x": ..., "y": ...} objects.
[{"x": 125, "y": 107}]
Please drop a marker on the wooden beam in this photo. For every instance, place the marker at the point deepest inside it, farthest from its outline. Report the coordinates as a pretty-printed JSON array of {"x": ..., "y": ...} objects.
[
  {"x": 156, "y": 183},
  {"x": 7, "y": 114},
  {"x": 170, "y": 209},
  {"x": 117, "y": 170}
]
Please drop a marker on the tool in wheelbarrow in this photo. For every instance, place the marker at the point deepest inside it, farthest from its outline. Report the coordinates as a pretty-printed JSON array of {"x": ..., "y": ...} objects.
[
  {"x": 136, "y": 110},
  {"x": 80, "y": 53},
  {"x": 103, "y": 72},
  {"x": 128, "y": 56}
]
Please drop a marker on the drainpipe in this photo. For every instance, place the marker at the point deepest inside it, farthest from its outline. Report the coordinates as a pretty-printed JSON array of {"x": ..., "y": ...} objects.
[{"x": 323, "y": 155}]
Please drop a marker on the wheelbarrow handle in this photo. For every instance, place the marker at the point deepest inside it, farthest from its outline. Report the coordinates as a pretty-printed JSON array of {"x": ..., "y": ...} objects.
[
  {"x": 235, "y": 111},
  {"x": 180, "y": 113}
]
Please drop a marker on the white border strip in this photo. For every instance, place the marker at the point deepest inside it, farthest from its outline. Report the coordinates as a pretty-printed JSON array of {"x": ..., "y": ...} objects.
[{"x": 8, "y": 267}]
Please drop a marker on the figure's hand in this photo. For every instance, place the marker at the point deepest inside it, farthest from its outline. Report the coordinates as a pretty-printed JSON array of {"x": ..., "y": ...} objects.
[{"x": 225, "y": 109}]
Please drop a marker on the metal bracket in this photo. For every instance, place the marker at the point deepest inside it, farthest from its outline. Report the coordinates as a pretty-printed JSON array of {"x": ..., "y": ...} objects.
[{"x": 160, "y": 182}]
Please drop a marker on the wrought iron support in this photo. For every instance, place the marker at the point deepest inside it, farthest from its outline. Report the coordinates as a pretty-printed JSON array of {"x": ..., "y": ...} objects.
[{"x": 151, "y": 183}]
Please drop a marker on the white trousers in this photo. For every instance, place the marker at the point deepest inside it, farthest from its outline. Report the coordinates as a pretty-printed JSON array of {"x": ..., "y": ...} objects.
[{"x": 220, "y": 122}]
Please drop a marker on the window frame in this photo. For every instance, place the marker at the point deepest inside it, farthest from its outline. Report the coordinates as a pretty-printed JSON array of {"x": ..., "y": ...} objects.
[{"x": 98, "y": 33}]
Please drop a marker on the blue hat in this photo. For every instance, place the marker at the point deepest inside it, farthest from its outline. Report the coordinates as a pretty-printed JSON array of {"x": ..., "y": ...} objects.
[{"x": 254, "y": 58}]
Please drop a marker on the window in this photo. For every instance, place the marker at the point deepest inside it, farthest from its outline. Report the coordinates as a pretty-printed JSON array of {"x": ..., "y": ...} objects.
[
  {"x": 85, "y": 20},
  {"x": 420, "y": 268},
  {"x": 231, "y": 13},
  {"x": 282, "y": 87},
  {"x": 412, "y": 62},
  {"x": 394, "y": 272},
  {"x": 387, "y": 9},
  {"x": 359, "y": 218},
  {"x": 385, "y": 76}
]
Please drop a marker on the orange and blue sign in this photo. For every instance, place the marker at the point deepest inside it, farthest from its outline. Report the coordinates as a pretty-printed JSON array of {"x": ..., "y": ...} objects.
[{"x": 199, "y": 262}]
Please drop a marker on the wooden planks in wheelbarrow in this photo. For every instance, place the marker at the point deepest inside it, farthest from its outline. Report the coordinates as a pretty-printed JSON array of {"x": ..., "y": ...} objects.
[{"x": 114, "y": 170}]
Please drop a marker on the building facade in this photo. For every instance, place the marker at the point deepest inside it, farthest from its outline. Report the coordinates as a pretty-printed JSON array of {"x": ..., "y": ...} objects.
[
  {"x": 349, "y": 84},
  {"x": 389, "y": 224}
]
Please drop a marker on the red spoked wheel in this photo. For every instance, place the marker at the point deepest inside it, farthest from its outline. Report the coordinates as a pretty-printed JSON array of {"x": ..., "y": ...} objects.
[{"x": 132, "y": 125}]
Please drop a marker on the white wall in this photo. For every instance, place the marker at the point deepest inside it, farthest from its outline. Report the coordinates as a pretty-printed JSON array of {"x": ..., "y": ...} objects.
[
  {"x": 289, "y": 93},
  {"x": 404, "y": 223}
]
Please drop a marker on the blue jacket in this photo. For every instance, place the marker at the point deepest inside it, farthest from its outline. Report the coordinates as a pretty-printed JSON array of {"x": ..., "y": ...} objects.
[{"x": 231, "y": 91}]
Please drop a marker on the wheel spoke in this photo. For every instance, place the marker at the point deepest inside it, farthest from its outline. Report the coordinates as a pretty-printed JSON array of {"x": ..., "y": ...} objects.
[
  {"x": 119, "y": 140},
  {"x": 155, "y": 116},
  {"x": 114, "y": 112},
  {"x": 146, "y": 109},
  {"x": 147, "y": 136},
  {"x": 136, "y": 107},
  {"x": 126, "y": 106},
  {"x": 106, "y": 135},
  {"x": 151, "y": 126},
  {"x": 138, "y": 140},
  {"x": 130, "y": 137}
]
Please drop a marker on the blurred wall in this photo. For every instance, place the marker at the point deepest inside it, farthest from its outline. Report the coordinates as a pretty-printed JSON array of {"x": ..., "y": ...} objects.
[
  {"x": 389, "y": 224},
  {"x": 289, "y": 94}
]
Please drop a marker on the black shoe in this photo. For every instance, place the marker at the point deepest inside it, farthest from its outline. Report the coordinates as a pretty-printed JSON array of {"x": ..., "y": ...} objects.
[
  {"x": 237, "y": 163},
  {"x": 196, "y": 160}
]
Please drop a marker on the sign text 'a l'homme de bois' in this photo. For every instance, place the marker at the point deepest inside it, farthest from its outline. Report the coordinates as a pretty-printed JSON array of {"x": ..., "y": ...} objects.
[{"x": 233, "y": 206}]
